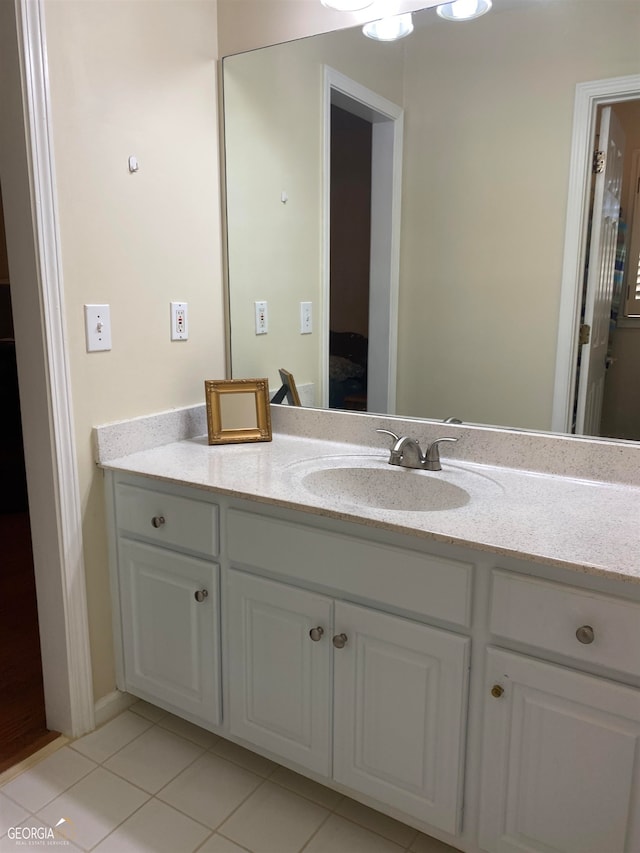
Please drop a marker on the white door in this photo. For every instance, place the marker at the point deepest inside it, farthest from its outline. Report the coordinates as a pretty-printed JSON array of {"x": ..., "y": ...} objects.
[
  {"x": 561, "y": 760},
  {"x": 170, "y": 632},
  {"x": 400, "y": 713},
  {"x": 600, "y": 276},
  {"x": 280, "y": 668}
]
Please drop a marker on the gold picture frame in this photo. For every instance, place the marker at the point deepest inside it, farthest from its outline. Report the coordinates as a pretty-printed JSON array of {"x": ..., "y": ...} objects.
[{"x": 237, "y": 410}]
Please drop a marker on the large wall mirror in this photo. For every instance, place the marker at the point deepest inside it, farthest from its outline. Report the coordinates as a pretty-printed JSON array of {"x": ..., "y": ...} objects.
[{"x": 412, "y": 196}]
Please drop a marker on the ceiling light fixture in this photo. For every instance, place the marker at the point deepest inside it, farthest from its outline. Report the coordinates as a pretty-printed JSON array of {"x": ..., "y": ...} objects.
[
  {"x": 389, "y": 29},
  {"x": 463, "y": 10},
  {"x": 347, "y": 5}
]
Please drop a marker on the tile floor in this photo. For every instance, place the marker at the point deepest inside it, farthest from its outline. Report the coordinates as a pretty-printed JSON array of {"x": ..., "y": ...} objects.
[{"x": 149, "y": 781}]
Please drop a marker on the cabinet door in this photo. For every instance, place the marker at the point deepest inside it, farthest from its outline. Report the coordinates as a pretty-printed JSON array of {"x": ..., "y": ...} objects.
[
  {"x": 279, "y": 677},
  {"x": 560, "y": 760},
  {"x": 170, "y": 639},
  {"x": 400, "y": 713}
]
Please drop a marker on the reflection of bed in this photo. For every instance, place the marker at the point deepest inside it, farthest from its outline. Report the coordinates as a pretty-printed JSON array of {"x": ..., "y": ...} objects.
[{"x": 348, "y": 353}]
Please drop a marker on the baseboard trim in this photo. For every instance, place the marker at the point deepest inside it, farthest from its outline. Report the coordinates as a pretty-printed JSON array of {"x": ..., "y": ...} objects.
[{"x": 111, "y": 705}]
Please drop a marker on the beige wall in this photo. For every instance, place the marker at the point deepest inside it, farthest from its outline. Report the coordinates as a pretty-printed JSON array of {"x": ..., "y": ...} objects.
[
  {"x": 134, "y": 78},
  {"x": 489, "y": 112},
  {"x": 274, "y": 139}
]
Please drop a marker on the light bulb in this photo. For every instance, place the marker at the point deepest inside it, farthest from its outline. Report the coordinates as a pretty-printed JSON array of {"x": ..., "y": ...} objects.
[
  {"x": 389, "y": 29},
  {"x": 347, "y": 5},
  {"x": 463, "y": 10}
]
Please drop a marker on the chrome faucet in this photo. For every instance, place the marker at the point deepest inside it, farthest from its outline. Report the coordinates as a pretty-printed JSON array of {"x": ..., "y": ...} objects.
[{"x": 406, "y": 452}]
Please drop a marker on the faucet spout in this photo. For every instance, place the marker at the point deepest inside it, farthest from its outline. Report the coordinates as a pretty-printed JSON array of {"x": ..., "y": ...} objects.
[{"x": 406, "y": 452}]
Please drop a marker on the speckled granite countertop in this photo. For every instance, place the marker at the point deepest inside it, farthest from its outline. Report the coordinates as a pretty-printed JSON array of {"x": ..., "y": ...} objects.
[{"x": 580, "y": 524}]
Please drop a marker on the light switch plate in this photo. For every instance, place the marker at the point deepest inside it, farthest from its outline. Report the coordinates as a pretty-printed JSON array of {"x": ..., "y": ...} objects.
[
  {"x": 262, "y": 318},
  {"x": 306, "y": 318},
  {"x": 97, "y": 327}
]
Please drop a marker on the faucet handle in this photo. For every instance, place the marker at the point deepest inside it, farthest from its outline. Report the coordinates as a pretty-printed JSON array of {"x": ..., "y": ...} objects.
[
  {"x": 432, "y": 456},
  {"x": 388, "y": 432}
]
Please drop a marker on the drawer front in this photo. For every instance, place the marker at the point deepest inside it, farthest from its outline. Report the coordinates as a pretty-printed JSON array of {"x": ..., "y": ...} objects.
[
  {"x": 550, "y": 616},
  {"x": 184, "y": 523},
  {"x": 419, "y": 583}
]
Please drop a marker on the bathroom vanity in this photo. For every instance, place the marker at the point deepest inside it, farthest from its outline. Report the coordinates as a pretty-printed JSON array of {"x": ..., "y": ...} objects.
[{"x": 472, "y": 671}]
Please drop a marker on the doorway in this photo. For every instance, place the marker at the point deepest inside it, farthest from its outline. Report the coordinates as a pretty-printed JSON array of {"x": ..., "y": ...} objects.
[
  {"x": 350, "y": 254},
  {"x": 610, "y": 272},
  {"x": 359, "y": 345},
  {"x": 590, "y": 97},
  {"x": 23, "y": 728}
]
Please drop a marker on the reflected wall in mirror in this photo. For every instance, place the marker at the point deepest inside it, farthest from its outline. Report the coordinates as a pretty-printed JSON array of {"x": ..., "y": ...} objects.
[
  {"x": 488, "y": 116},
  {"x": 237, "y": 410}
]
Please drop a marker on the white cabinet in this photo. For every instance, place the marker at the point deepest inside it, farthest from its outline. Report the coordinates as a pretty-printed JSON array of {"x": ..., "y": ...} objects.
[
  {"x": 169, "y": 607},
  {"x": 346, "y": 653},
  {"x": 279, "y": 677},
  {"x": 398, "y": 695},
  {"x": 561, "y": 760},
  {"x": 165, "y": 587},
  {"x": 400, "y": 713}
]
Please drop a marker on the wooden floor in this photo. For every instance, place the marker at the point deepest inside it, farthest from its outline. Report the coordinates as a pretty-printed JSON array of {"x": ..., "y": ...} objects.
[{"x": 22, "y": 719}]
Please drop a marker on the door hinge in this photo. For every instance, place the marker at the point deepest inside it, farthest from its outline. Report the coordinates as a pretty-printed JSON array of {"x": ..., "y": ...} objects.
[
  {"x": 599, "y": 160},
  {"x": 585, "y": 334}
]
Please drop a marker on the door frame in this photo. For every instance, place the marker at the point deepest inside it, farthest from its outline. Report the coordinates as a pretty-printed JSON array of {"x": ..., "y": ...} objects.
[
  {"x": 589, "y": 96},
  {"x": 387, "y": 121},
  {"x": 34, "y": 248}
]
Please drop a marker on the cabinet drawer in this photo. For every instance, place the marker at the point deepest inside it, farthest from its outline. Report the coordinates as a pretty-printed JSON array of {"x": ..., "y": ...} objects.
[
  {"x": 410, "y": 580},
  {"x": 549, "y": 615},
  {"x": 183, "y": 523}
]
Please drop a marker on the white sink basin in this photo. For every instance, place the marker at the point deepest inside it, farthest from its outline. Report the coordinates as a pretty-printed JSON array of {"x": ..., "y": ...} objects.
[{"x": 369, "y": 481}]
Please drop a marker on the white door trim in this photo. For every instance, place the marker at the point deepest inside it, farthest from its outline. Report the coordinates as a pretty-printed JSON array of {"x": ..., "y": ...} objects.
[
  {"x": 385, "y": 223},
  {"x": 60, "y": 583},
  {"x": 589, "y": 96}
]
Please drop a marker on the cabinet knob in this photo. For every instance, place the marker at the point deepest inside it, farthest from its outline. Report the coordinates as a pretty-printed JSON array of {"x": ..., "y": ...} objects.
[
  {"x": 340, "y": 641},
  {"x": 585, "y": 634},
  {"x": 316, "y": 633},
  {"x": 201, "y": 594},
  {"x": 157, "y": 520},
  {"x": 497, "y": 690}
]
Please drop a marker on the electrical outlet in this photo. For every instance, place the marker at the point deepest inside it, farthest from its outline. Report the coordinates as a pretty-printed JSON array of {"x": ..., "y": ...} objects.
[
  {"x": 97, "y": 326},
  {"x": 306, "y": 318},
  {"x": 262, "y": 321},
  {"x": 179, "y": 321}
]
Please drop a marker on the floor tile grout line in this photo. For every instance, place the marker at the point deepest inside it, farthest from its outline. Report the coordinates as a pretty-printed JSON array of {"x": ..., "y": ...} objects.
[
  {"x": 313, "y": 834},
  {"x": 164, "y": 785},
  {"x": 164, "y": 728},
  {"x": 63, "y": 791},
  {"x": 148, "y": 800},
  {"x": 226, "y": 838},
  {"x": 119, "y": 749},
  {"x": 151, "y": 797},
  {"x": 233, "y": 811},
  {"x": 226, "y": 817},
  {"x": 244, "y": 766},
  {"x": 364, "y": 826}
]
